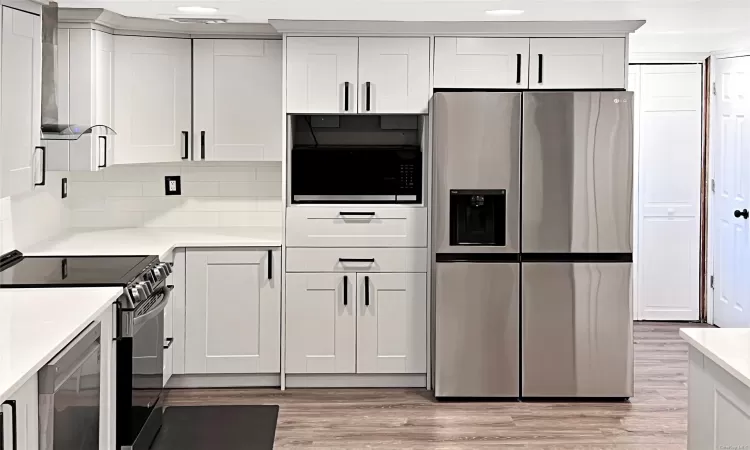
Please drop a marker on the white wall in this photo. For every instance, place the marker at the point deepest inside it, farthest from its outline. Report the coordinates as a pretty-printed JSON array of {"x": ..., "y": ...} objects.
[{"x": 213, "y": 195}]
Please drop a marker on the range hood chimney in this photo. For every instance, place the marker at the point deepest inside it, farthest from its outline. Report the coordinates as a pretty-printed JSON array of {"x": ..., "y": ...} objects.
[{"x": 51, "y": 128}]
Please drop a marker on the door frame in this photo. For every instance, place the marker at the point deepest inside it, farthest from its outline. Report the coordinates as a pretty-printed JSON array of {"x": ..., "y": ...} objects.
[{"x": 703, "y": 271}]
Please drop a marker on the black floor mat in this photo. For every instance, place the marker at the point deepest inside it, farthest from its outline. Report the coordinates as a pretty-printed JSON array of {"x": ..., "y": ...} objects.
[{"x": 218, "y": 427}]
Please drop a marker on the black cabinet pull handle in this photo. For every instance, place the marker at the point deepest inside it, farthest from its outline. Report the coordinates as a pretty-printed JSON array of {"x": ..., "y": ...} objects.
[
  {"x": 44, "y": 166},
  {"x": 270, "y": 264},
  {"x": 203, "y": 145},
  {"x": 367, "y": 290},
  {"x": 169, "y": 343},
  {"x": 346, "y": 290},
  {"x": 744, "y": 214},
  {"x": 14, "y": 418},
  {"x": 356, "y": 213},
  {"x": 541, "y": 68},
  {"x": 518, "y": 68},
  {"x": 368, "y": 95},
  {"x": 357, "y": 260},
  {"x": 346, "y": 96},
  {"x": 186, "y": 135},
  {"x": 103, "y": 140}
]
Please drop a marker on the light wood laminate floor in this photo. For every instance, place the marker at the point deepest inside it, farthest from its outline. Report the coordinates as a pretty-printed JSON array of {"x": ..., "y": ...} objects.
[{"x": 655, "y": 418}]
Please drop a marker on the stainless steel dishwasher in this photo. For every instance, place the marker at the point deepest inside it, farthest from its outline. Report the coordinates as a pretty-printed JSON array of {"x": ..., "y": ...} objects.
[{"x": 69, "y": 395}]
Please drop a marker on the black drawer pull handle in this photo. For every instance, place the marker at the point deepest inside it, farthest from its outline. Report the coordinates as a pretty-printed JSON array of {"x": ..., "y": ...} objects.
[
  {"x": 357, "y": 260},
  {"x": 367, "y": 291},
  {"x": 356, "y": 213},
  {"x": 518, "y": 68},
  {"x": 103, "y": 140},
  {"x": 346, "y": 96},
  {"x": 270, "y": 264},
  {"x": 541, "y": 68},
  {"x": 44, "y": 166},
  {"x": 14, "y": 418},
  {"x": 186, "y": 136},
  {"x": 346, "y": 290},
  {"x": 169, "y": 343},
  {"x": 368, "y": 95},
  {"x": 203, "y": 145}
]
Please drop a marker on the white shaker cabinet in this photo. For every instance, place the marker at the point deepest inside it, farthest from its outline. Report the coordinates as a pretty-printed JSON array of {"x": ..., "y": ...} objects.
[
  {"x": 394, "y": 75},
  {"x": 24, "y": 405},
  {"x": 479, "y": 62},
  {"x": 391, "y": 323},
  {"x": 22, "y": 164},
  {"x": 233, "y": 311},
  {"x": 321, "y": 75},
  {"x": 320, "y": 323},
  {"x": 84, "y": 95},
  {"x": 152, "y": 99},
  {"x": 577, "y": 63},
  {"x": 237, "y": 100}
]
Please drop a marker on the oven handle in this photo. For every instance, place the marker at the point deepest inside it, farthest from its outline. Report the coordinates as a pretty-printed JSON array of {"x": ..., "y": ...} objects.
[
  {"x": 156, "y": 310},
  {"x": 14, "y": 420}
]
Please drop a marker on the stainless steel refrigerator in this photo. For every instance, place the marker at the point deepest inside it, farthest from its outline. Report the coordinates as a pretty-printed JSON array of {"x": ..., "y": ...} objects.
[{"x": 532, "y": 240}]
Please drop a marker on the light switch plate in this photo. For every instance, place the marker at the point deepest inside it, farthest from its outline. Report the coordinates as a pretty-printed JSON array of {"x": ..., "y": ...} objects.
[{"x": 172, "y": 185}]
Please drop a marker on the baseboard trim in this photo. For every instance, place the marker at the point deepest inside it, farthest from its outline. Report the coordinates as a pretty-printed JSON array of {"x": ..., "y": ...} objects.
[
  {"x": 355, "y": 380},
  {"x": 224, "y": 381}
]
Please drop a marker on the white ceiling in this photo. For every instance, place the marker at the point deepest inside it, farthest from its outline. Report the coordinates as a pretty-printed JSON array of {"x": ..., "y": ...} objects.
[{"x": 672, "y": 25}]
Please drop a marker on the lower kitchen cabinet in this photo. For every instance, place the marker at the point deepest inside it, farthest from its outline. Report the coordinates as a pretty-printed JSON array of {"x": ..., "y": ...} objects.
[
  {"x": 320, "y": 323},
  {"x": 391, "y": 323},
  {"x": 356, "y": 323},
  {"x": 232, "y": 311},
  {"x": 24, "y": 404}
]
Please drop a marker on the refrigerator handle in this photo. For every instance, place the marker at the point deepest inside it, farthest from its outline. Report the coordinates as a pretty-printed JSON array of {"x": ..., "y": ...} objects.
[
  {"x": 541, "y": 68},
  {"x": 518, "y": 68}
]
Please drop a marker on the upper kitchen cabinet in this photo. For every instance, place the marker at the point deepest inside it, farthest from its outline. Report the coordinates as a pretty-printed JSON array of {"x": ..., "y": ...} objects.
[
  {"x": 321, "y": 75},
  {"x": 237, "y": 100},
  {"x": 22, "y": 160},
  {"x": 394, "y": 75},
  {"x": 85, "y": 71},
  {"x": 488, "y": 63},
  {"x": 152, "y": 99},
  {"x": 577, "y": 63}
]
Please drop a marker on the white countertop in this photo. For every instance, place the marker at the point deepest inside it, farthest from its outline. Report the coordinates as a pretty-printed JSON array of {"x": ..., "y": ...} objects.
[
  {"x": 727, "y": 347},
  {"x": 151, "y": 241},
  {"x": 35, "y": 324}
]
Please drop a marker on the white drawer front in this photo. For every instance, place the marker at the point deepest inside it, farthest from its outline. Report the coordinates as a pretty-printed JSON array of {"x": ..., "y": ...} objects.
[
  {"x": 356, "y": 260},
  {"x": 356, "y": 227}
]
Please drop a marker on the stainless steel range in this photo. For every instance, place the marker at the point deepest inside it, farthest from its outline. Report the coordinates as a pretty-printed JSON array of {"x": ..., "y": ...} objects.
[{"x": 140, "y": 325}]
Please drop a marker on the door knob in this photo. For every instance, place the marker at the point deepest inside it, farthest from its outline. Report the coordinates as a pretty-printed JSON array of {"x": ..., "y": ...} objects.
[{"x": 744, "y": 214}]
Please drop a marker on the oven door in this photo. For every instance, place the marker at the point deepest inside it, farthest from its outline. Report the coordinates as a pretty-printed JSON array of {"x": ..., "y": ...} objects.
[{"x": 143, "y": 357}]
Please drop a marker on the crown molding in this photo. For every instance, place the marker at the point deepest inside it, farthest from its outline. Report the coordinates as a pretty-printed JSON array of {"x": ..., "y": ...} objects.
[{"x": 481, "y": 28}]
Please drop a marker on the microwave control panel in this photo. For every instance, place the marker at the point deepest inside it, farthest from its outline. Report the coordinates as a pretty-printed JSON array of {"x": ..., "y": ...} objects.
[{"x": 407, "y": 176}]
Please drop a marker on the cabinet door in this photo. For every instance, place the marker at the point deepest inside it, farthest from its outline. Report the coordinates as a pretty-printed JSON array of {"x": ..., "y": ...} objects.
[
  {"x": 489, "y": 63},
  {"x": 394, "y": 75},
  {"x": 577, "y": 63},
  {"x": 237, "y": 100},
  {"x": 152, "y": 99},
  {"x": 20, "y": 95},
  {"x": 233, "y": 311},
  {"x": 26, "y": 428},
  {"x": 391, "y": 323},
  {"x": 320, "y": 324},
  {"x": 321, "y": 75},
  {"x": 102, "y": 153},
  {"x": 168, "y": 341}
]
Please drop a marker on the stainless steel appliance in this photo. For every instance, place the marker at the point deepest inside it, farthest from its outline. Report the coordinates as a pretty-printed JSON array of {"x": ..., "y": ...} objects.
[
  {"x": 69, "y": 395},
  {"x": 532, "y": 236},
  {"x": 356, "y": 174},
  {"x": 140, "y": 326}
]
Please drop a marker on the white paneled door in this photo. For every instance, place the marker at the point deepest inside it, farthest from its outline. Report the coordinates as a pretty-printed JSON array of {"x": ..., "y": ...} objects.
[
  {"x": 152, "y": 83},
  {"x": 394, "y": 75},
  {"x": 731, "y": 240},
  {"x": 669, "y": 149},
  {"x": 237, "y": 100},
  {"x": 321, "y": 75}
]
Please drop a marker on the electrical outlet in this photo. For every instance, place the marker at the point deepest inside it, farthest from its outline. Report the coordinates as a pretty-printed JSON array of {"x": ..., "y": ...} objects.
[
  {"x": 172, "y": 185},
  {"x": 64, "y": 188}
]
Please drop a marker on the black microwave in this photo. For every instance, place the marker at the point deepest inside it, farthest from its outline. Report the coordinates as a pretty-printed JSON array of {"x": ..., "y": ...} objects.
[{"x": 347, "y": 174}]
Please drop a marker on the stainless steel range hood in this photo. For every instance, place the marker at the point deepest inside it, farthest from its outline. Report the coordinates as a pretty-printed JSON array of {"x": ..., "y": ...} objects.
[{"x": 52, "y": 130}]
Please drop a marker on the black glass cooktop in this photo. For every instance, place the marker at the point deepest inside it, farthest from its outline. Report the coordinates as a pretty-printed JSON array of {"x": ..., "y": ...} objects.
[{"x": 17, "y": 271}]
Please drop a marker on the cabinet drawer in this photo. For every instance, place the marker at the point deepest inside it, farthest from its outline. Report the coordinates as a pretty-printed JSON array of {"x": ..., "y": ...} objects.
[
  {"x": 345, "y": 260},
  {"x": 356, "y": 227}
]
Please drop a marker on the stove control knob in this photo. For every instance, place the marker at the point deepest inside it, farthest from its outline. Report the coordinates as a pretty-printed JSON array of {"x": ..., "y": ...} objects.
[
  {"x": 157, "y": 274},
  {"x": 146, "y": 286},
  {"x": 151, "y": 276},
  {"x": 167, "y": 268}
]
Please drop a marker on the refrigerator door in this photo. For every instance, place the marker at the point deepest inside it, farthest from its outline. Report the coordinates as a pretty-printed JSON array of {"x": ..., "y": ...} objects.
[
  {"x": 477, "y": 151},
  {"x": 476, "y": 330},
  {"x": 577, "y": 172},
  {"x": 577, "y": 332}
]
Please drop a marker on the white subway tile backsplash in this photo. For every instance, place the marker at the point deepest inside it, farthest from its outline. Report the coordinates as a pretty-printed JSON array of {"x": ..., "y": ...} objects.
[
  {"x": 106, "y": 219},
  {"x": 153, "y": 188},
  {"x": 268, "y": 203},
  {"x": 199, "y": 173},
  {"x": 86, "y": 203},
  {"x": 181, "y": 219},
  {"x": 249, "y": 219},
  {"x": 268, "y": 173},
  {"x": 220, "y": 204},
  {"x": 259, "y": 188},
  {"x": 200, "y": 188},
  {"x": 138, "y": 172}
]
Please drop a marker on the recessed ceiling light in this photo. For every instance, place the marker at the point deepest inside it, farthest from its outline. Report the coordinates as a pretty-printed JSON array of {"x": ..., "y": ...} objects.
[
  {"x": 196, "y": 9},
  {"x": 504, "y": 12}
]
